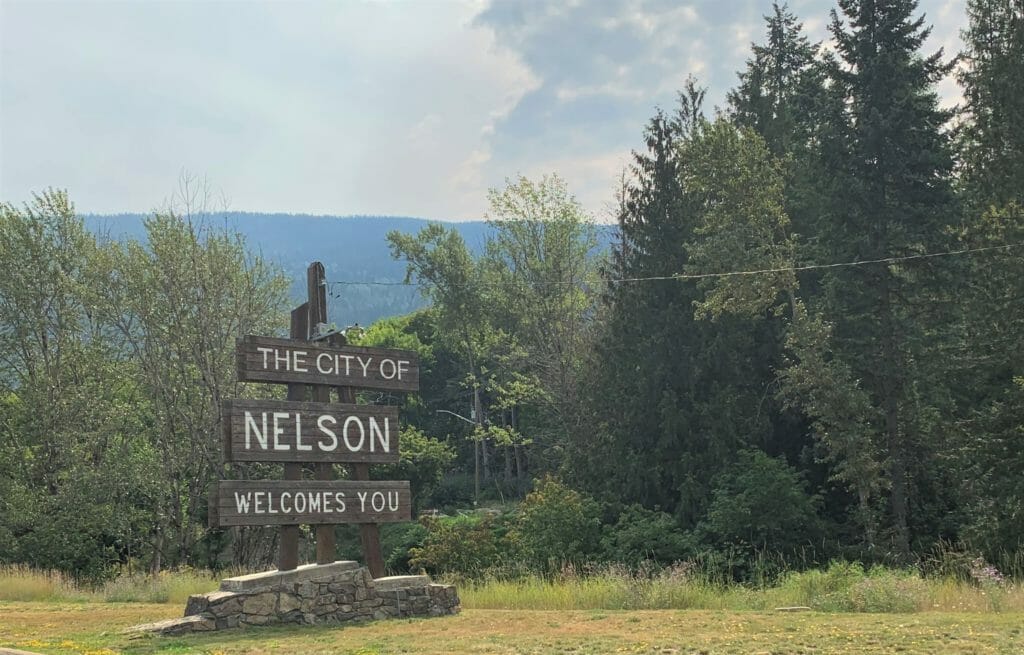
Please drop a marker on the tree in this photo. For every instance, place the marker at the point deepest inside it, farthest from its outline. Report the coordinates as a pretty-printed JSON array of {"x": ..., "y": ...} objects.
[
  {"x": 178, "y": 303},
  {"x": 672, "y": 398},
  {"x": 781, "y": 85},
  {"x": 892, "y": 163},
  {"x": 993, "y": 82},
  {"x": 447, "y": 273},
  {"x": 541, "y": 266},
  {"x": 74, "y": 463}
]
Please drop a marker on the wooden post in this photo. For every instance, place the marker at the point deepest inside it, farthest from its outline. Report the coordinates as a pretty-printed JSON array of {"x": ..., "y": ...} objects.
[
  {"x": 316, "y": 292},
  {"x": 288, "y": 548}
]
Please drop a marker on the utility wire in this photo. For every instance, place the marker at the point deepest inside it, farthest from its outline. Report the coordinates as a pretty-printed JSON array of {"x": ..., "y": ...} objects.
[{"x": 763, "y": 271}]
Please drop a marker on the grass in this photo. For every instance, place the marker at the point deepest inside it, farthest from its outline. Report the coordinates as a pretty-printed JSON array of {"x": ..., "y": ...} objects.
[
  {"x": 19, "y": 583},
  {"x": 840, "y": 588},
  {"x": 95, "y": 629},
  {"x": 853, "y": 611}
]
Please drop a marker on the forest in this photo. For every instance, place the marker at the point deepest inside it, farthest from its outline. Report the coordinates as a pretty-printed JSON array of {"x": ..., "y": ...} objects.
[{"x": 805, "y": 344}]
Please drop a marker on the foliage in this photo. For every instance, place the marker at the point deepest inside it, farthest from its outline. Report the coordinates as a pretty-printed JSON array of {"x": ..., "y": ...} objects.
[
  {"x": 422, "y": 461},
  {"x": 641, "y": 536},
  {"x": 762, "y": 504},
  {"x": 463, "y": 545},
  {"x": 555, "y": 525}
]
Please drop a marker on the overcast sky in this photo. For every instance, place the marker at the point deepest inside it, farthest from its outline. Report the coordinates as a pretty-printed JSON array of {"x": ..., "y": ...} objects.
[{"x": 405, "y": 108}]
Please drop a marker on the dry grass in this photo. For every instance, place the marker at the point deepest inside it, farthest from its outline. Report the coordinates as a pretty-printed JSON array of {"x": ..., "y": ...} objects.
[
  {"x": 19, "y": 583},
  {"x": 95, "y": 629},
  {"x": 840, "y": 588}
]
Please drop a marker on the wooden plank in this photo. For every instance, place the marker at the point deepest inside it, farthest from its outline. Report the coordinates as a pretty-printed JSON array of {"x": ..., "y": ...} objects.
[
  {"x": 297, "y": 502},
  {"x": 266, "y": 359},
  {"x": 286, "y": 431}
]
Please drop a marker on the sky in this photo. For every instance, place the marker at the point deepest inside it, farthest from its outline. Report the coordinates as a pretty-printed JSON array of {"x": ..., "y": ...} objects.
[{"x": 372, "y": 108}]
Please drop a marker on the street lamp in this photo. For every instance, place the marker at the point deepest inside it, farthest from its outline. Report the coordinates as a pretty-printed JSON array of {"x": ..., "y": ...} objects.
[{"x": 476, "y": 452}]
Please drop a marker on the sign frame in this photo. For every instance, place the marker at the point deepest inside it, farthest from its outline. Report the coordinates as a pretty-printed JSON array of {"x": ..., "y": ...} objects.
[
  {"x": 374, "y": 421},
  {"x": 260, "y": 359}
]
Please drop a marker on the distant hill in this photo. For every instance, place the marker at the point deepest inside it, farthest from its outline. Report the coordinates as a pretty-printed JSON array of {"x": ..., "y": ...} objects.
[{"x": 352, "y": 249}]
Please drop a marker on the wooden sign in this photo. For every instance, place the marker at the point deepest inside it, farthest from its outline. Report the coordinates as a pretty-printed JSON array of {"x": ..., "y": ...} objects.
[
  {"x": 297, "y": 502},
  {"x": 289, "y": 431},
  {"x": 265, "y": 359}
]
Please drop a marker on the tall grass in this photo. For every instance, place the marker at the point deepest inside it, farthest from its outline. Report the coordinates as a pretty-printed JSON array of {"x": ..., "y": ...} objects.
[
  {"x": 842, "y": 587},
  {"x": 19, "y": 583}
]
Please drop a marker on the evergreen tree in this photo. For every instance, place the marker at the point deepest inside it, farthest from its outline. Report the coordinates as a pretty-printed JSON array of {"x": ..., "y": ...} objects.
[
  {"x": 674, "y": 398},
  {"x": 891, "y": 164},
  {"x": 993, "y": 84},
  {"x": 781, "y": 85},
  {"x": 992, "y": 316}
]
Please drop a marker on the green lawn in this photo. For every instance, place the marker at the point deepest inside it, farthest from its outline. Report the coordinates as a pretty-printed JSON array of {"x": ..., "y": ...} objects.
[{"x": 95, "y": 629}]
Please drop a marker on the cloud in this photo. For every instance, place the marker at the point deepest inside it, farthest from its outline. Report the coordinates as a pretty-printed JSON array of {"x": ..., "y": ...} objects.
[{"x": 323, "y": 107}]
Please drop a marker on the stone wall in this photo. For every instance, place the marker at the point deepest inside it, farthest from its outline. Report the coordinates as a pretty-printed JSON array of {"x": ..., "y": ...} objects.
[{"x": 330, "y": 593}]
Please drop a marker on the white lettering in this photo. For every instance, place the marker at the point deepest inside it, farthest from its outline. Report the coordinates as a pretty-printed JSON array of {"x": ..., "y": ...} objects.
[
  {"x": 319, "y": 365},
  {"x": 328, "y": 431},
  {"x": 393, "y": 501},
  {"x": 252, "y": 427},
  {"x": 270, "y": 503},
  {"x": 266, "y": 352},
  {"x": 300, "y": 503},
  {"x": 242, "y": 502},
  {"x": 279, "y": 359},
  {"x": 339, "y": 499},
  {"x": 278, "y": 431},
  {"x": 383, "y": 437},
  {"x": 348, "y": 363},
  {"x": 365, "y": 365},
  {"x": 362, "y": 500},
  {"x": 285, "y": 495},
  {"x": 362, "y": 434},
  {"x": 298, "y": 434},
  {"x": 373, "y": 501},
  {"x": 258, "y": 502},
  {"x": 394, "y": 369},
  {"x": 314, "y": 502},
  {"x": 299, "y": 361},
  {"x": 403, "y": 367}
]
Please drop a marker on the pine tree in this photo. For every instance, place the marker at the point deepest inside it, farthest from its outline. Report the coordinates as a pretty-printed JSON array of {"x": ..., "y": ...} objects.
[
  {"x": 993, "y": 84},
  {"x": 890, "y": 162},
  {"x": 780, "y": 86}
]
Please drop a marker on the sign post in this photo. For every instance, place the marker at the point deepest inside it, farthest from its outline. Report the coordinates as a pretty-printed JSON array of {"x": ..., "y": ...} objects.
[{"x": 298, "y": 431}]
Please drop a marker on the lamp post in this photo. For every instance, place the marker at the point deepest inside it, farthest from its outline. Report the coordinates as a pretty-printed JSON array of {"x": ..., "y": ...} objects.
[{"x": 476, "y": 448}]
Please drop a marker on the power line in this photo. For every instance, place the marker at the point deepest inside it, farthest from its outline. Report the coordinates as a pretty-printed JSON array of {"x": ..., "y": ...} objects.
[{"x": 763, "y": 271}]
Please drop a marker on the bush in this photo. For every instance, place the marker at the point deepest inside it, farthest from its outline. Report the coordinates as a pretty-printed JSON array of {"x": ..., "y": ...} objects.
[
  {"x": 461, "y": 545},
  {"x": 642, "y": 535},
  {"x": 761, "y": 505},
  {"x": 555, "y": 525},
  {"x": 397, "y": 540}
]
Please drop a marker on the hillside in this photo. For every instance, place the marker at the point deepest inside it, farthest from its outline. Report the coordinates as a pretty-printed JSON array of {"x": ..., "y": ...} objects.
[{"x": 352, "y": 249}]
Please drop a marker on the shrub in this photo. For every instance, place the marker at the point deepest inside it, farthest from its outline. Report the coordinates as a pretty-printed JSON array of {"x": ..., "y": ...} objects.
[
  {"x": 555, "y": 525},
  {"x": 642, "y": 535},
  {"x": 397, "y": 540},
  {"x": 761, "y": 505},
  {"x": 461, "y": 545}
]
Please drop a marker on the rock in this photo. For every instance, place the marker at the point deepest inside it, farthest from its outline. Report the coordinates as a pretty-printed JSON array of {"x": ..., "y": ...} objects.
[
  {"x": 288, "y": 603},
  {"x": 196, "y": 604},
  {"x": 173, "y": 627},
  {"x": 259, "y": 604}
]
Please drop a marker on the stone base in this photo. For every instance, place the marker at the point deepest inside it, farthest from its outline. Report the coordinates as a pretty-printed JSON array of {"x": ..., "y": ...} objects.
[{"x": 329, "y": 593}]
